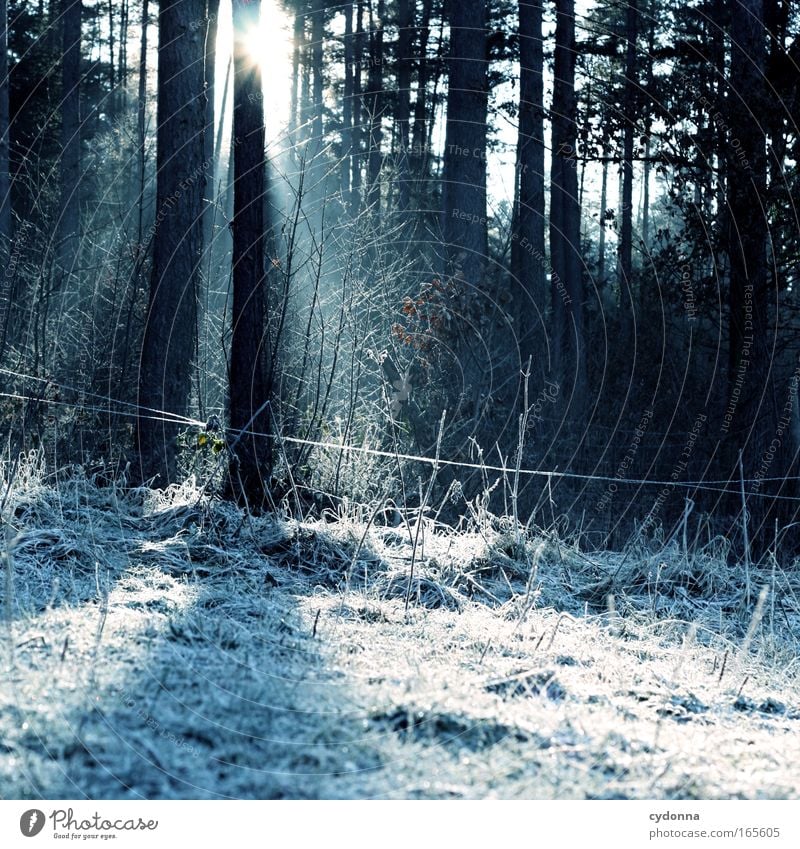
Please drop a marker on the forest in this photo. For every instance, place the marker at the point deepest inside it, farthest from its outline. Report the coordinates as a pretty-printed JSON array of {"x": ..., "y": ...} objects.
[{"x": 423, "y": 373}]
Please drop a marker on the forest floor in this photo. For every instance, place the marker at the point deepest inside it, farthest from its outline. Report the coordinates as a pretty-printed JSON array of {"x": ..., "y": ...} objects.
[{"x": 166, "y": 646}]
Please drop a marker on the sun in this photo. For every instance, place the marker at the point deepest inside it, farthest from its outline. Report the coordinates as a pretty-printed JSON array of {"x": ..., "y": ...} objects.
[{"x": 270, "y": 44}]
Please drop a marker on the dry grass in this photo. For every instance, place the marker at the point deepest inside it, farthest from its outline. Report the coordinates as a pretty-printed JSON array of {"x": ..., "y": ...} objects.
[{"x": 161, "y": 646}]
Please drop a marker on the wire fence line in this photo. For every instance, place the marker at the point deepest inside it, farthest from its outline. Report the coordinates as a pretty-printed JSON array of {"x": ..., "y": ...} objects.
[{"x": 133, "y": 410}]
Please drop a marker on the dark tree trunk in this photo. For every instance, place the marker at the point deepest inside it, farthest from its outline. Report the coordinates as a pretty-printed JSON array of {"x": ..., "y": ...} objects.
[
  {"x": 317, "y": 73},
  {"x": 527, "y": 246},
  {"x": 209, "y": 200},
  {"x": 601, "y": 241},
  {"x": 374, "y": 103},
  {"x": 347, "y": 104},
  {"x": 7, "y": 281},
  {"x": 306, "y": 100},
  {"x": 5, "y": 138},
  {"x": 70, "y": 164},
  {"x": 112, "y": 80},
  {"x": 751, "y": 415},
  {"x": 625, "y": 265},
  {"x": 165, "y": 373},
  {"x": 209, "y": 139},
  {"x": 419, "y": 136},
  {"x": 568, "y": 345},
  {"x": 464, "y": 177},
  {"x": 358, "y": 107},
  {"x": 123, "y": 42},
  {"x": 405, "y": 20},
  {"x": 251, "y": 457},
  {"x": 141, "y": 121}
]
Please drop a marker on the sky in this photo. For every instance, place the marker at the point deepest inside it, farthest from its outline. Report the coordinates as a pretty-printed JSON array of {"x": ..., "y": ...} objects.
[{"x": 272, "y": 43}]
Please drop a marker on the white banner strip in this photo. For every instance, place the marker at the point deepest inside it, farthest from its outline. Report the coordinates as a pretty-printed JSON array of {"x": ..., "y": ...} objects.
[{"x": 402, "y": 824}]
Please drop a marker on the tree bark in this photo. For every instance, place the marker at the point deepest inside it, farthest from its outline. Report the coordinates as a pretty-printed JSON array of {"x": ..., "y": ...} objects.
[
  {"x": 251, "y": 455},
  {"x": 374, "y": 101},
  {"x": 751, "y": 415},
  {"x": 165, "y": 369},
  {"x": 601, "y": 241},
  {"x": 566, "y": 283},
  {"x": 528, "y": 245},
  {"x": 70, "y": 163},
  {"x": 212, "y": 17},
  {"x": 294, "y": 97},
  {"x": 318, "y": 76},
  {"x": 464, "y": 175},
  {"x": 5, "y": 139},
  {"x": 359, "y": 110},
  {"x": 123, "y": 42},
  {"x": 419, "y": 134},
  {"x": 141, "y": 121},
  {"x": 625, "y": 265},
  {"x": 405, "y": 20},
  {"x": 112, "y": 77},
  {"x": 347, "y": 104}
]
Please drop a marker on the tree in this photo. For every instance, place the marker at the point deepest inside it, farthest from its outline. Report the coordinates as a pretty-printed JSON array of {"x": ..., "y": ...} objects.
[
  {"x": 250, "y": 393},
  {"x": 568, "y": 343},
  {"x": 527, "y": 245},
  {"x": 210, "y": 152},
  {"x": 752, "y": 371},
  {"x": 375, "y": 102},
  {"x": 318, "y": 75},
  {"x": 402, "y": 115},
  {"x": 625, "y": 264},
  {"x": 165, "y": 368},
  {"x": 5, "y": 133},
  {"x": 70, "y": 163},
  {"x": 419, "y": 132},
  {"x": 141, "y": 120},
  {"x": 348, "y": 142},
  {"x": 464, "y": 170},
  {"x": 359, "y": 110}
]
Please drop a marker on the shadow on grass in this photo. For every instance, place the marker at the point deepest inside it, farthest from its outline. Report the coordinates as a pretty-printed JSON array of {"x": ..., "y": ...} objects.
[{"x": 160, "y": 654}]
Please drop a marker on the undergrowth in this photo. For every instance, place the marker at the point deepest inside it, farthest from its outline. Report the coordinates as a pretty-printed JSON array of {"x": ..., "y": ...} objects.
[{"x": 168, "y": 644}]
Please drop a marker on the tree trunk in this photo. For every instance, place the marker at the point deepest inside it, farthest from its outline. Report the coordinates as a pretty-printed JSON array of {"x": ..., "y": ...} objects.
[
  {"x": 112, "y": 78},
  {"x": 165, "y": 371},
  {"x": 358, "y": 108},
  {"x": 294, "y": 98},
  {"x": 601, "y": 241},
  {"x": 527, "y": 245},
  {"x": 70, "y": 164},
  {"x": 751, "y": 415},
  {"x": 123, "y": 42},
  {"x": 209, "y": 199},
  {"x": 464, "y": 178},
  {"x": 405, "y": 20},
  {"x": 306, "y": 104},
  {"x": 374, "y": 101},
  {"x": 251, "y": 455},
  {"x": 317, "y": 73},
  {"x": 347, "y": 104},
  {"x": 212, "y": 17},
  {"x": 419, "y": 134},
  {"x": 625, "y": 266},
  {"x": 5, "y": 139},
  {"x": 568, "y": 344},
  {"x": 645, "y": 228},
  {"x": 141, "y": 121}
]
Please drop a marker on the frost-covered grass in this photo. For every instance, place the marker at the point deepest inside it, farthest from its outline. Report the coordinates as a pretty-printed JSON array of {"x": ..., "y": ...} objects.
[{"x": 163, "y": 645}]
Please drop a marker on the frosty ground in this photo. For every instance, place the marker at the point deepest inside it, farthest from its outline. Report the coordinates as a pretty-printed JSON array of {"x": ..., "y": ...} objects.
[{"x": 166, "y": 645}]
